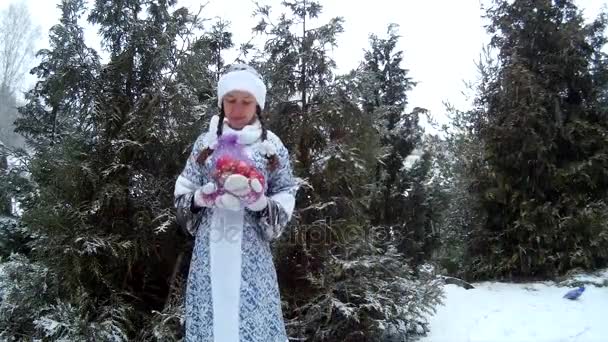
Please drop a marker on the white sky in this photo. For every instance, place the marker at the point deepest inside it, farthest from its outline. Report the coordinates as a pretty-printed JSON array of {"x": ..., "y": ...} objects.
[{"x": 441, "y": 39}]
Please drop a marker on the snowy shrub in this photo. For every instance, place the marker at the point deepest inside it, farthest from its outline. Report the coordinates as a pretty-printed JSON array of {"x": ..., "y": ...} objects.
[
  {"x": 167, "y": 325},
  {"x": 27, "y": 290},
  {"x": 13, "y": 237},
  {"x": 73, "y": 322},
  {"x": 373, "y": 296}
]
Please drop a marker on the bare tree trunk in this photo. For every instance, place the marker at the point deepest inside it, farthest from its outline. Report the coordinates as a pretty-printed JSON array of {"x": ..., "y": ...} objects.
[{"x": 5, "y": 201}]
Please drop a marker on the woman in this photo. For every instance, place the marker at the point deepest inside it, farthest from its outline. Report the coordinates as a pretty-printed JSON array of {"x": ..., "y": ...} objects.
[{"x": 232, "y": 292}]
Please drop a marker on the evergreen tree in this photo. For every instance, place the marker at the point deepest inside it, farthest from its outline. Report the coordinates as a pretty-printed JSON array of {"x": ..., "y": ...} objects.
[
  {"x": 109, "y": 141},
  {"x": 298, "y": 71},
  {"x": 400, "y": 198},
  {"x": 417, "y": 233},
  {"x": 383, "y": 94},
  {"x": 14, "y": 188},
  {"x": 335, "y": 143},
  {"x": 541, "y": 122},
  {"x": 110, "y": 138},
  {"x": 61, "y": 103},
  {"x": 460, "y": 169}
]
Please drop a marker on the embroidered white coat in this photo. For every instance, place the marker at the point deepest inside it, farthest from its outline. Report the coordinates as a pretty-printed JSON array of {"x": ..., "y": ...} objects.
[{"x": 232, "y": 291}]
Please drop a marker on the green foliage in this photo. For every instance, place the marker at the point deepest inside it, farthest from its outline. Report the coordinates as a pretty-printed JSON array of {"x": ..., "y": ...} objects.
[
  {"x": 372, "y": 294},
  {"x": 539, "y": 173},
  {"x": 109, "y": 139},
  {"x": 28, "y": 289}
]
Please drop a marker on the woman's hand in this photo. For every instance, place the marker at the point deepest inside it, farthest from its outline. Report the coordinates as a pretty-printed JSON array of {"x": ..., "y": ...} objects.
[
  {"x": 208, "y": 196},
  {"x": 204, "y": 196}
]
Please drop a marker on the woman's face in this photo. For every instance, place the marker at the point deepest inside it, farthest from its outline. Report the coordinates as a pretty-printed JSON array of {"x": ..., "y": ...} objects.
[{"x": 239, "y": 108}]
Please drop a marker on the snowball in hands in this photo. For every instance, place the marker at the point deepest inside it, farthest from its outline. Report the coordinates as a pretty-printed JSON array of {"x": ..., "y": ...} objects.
[
  {"x": 250, "y": 191},
  {"x": 256, "y": 185},
  {"x": 237, "y": 184}
]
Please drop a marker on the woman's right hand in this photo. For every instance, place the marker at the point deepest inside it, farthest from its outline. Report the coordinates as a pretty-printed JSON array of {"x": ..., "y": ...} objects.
[
  {"x": 205, "y": 195},
  {"x": 208, "y": 196}
]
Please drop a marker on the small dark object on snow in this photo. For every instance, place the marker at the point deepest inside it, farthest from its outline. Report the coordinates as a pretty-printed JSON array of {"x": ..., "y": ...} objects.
[
  {"x": 456, "y": 281},
  {"x": 575, "y": 294}
]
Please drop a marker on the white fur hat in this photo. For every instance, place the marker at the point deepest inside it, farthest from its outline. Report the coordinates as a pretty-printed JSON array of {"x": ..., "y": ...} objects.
[{"x": 244, "y": 78}]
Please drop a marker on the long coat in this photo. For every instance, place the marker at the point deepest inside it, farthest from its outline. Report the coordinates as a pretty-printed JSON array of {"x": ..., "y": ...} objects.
[{"x": 232, "y": 292}]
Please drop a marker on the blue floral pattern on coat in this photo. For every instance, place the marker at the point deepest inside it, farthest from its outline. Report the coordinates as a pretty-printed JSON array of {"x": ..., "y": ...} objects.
[{"x": 260, "y": 313}]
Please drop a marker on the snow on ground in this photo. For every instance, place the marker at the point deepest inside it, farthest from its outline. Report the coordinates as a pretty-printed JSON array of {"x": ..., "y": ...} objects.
[{"x": 534, "y": 312}]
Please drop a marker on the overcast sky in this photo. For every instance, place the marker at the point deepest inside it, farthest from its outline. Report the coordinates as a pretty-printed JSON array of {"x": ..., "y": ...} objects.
[{"x": 441, "y": 39}]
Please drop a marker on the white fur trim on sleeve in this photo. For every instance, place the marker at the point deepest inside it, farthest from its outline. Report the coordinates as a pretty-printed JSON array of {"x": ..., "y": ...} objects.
[
  {"x": 184, "y": 186},
  {"x": 286, "y": 201}
]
